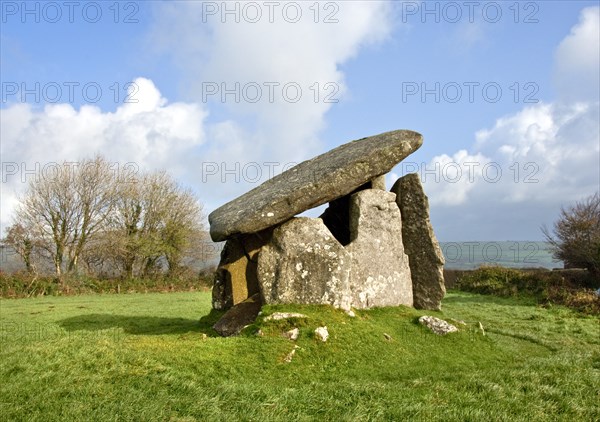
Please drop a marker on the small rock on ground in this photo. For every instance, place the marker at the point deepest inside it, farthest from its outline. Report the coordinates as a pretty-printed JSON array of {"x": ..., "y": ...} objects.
[
  {"x": 292, "y": 334},
  {"x": 322, "y": 333},
  {"x": 438, "y": 326},
  {"x": 290, "y": 355}
]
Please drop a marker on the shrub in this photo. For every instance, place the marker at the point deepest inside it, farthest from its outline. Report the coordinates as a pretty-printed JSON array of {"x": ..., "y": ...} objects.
[
  {"x": 547, "y": 287},
  {"x": 24, "y": 284},
  {"x": 497, "y": 281},
  {"x": 576, "y": 235}
]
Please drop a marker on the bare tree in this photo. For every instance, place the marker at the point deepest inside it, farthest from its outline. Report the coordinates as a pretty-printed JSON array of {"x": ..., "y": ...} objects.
[
  {"x": 125, "y": 230},
  {"x": 158, "y": 220},
  {"x": 182, "y": 229},
  {"x": 23, "y": 243},
  {"x": 95, "y": 185},
  {"x": 84, "y": 213},
  {"x": 63, "y": 210},
  {"x": 576, "y": 235}
]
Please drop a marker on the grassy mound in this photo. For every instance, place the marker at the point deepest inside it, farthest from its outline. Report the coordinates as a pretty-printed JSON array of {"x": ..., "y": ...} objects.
[{"x": 155, "y": 356}]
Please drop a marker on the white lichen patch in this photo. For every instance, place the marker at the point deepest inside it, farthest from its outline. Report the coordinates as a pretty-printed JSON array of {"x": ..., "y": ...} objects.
[{"x": 283, "y": 315}]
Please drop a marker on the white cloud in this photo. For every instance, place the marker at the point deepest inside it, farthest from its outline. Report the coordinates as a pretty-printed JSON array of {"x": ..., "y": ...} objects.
[
  {"x": 141, "y": 132},
  {"x": 303, "y": 53},
  {"x": 462, "y": 171},
  {"x": 150, "y": 133},
  {"x": 179, "y": 136},
  {"x": 274, "y": 132},
  {"x": 548, "y": 153},
  {"x": 578, "y": 59}
]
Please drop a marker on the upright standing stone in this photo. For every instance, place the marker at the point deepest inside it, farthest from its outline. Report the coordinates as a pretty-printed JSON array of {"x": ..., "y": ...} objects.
[
  {"x": 312, "y": 183},
  {"x": 378, "y": 183},
  {"x": 235, "y": 279},
  {"x": 423, "y": 250},
  {"x": 380, "y": 274},
  {"x": 304, "y": 263},
  {"x": 337, "y": 215}
]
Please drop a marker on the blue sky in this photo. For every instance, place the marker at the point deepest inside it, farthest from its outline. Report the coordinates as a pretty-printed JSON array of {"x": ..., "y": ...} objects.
[{"x": 541, "y": 131}]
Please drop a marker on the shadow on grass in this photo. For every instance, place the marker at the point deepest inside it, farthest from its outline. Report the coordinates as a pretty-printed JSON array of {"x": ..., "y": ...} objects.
[{"x": 143, "y": 325}]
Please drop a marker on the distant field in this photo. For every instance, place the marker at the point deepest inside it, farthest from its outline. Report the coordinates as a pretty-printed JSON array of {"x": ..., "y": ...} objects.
[
  {"x": 512, "y": 254},
  {"x": 144, "y": 357}
]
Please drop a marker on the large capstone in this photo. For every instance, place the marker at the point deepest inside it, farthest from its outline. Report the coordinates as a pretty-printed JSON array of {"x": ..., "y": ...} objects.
[
  {"x": 421, "y": 245},
  {"x": 312, "y": 183},
  {"x": 304, "y": 263},
  {"x": 380, "y": 273}
]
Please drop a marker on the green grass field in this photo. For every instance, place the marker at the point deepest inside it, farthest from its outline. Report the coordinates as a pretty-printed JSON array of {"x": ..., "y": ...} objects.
[{"x": 154, "y": 356}]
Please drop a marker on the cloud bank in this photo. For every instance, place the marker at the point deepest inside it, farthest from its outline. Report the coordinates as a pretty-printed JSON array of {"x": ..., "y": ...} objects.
[{"x": 532, "y": 162}]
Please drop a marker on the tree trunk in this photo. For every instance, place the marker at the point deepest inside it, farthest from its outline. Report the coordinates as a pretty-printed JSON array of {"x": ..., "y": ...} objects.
[
  {"x": 129, "y": 268},
  {"x": 73, "y": 263},
  {"x": 27, "y": 257},
  {"x": 173, "y": 261},
  {"x": 58, "y": 260},
  {"x": 57, "y": 265}
]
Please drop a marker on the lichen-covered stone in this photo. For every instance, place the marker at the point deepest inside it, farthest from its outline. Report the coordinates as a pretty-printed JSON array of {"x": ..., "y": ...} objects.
[
  {"x": 312, "y": 183},
  {"x": 438, "y": 326},
  {"x": 304, "y": 263},
  {"x": 277, "y": 316},
  {"x": 292, "y": 334},
  {"x": 421, "y": 245},
  {"x": 380, "y": 273},
  {"x": 337, "y": 215},
  {"x": 235, "y": 279}
]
